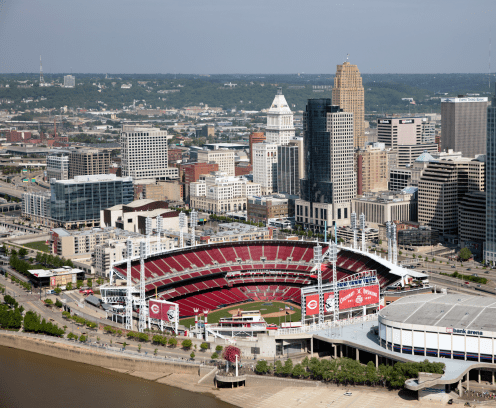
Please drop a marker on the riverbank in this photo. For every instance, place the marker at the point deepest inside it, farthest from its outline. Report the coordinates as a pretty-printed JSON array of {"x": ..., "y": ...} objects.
[{"x": 259, "y": 392}]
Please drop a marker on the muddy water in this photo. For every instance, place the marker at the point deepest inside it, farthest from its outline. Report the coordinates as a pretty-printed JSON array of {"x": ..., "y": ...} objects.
[{"x": 30, "y": 380}]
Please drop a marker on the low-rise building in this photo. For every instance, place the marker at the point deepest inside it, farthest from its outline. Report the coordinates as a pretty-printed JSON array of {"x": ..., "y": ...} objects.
[
  {"x": 382, "y": 207},
  {"x": 261, "y": 209},
  {"x": 54, "y": 278},
  {"x": 132, "y": 216},
  {"x": 219, "y": 193}
]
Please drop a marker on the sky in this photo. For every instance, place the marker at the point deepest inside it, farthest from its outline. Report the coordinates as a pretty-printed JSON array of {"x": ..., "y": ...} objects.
[{"x": 251, "y": 36}]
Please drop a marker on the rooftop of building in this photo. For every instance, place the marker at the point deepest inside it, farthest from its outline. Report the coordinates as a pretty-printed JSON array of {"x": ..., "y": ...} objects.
[
  {"x": 45, "y": 273},
  {"x": 96, "y": 178},
  {"x": 456, "y": 310},
  {"x": 61, "y": 232},
  {"x": 389, "y": 196}
]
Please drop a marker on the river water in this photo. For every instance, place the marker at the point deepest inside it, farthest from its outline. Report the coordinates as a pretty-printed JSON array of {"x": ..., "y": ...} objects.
[{"x": 29, "y": 380}]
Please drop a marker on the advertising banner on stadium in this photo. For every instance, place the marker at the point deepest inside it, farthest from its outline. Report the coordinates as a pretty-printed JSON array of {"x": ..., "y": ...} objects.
[
  {"x": 312, "y": 305},
  {"x": 329, "y": 302},
  {"x": 162, "y": 310},
  {"x": 356, "y": 297}
]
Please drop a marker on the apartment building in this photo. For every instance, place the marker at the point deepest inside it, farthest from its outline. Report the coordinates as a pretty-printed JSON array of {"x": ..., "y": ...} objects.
[
  {"x": 58, "y": 165},
  {"x": 87, "y": 162},
  {"x": 219, "y": 193},
  {"x": 36, "y": 207}
]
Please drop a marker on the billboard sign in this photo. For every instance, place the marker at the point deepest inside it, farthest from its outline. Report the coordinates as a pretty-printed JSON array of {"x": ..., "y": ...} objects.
[
  {"x": 53, "y": 281},
  {"x": 312, "y": 305},
  {"x": 329, "y": 302},
  {"x": 384, "y": 121},
  {"x": 162, "y": 310},
  {"x": 356, "y": 297}
]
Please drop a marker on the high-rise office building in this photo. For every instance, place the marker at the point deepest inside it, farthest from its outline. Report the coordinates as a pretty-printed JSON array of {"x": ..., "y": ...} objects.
[
  {"x": 265, "y": 166},
  {"x": 145, "y": 153},
  {"x": 280, "y": 128},
  {"x": 255, "y": 137},
  {"x": 330, "y": 181},
  {"x": 348, "y": 94},
  {"x": 464, "y": 125},
  {"x": 442, "y": 186},
  {"x": 290, "y": 166},
  {"x": 69, "y": 81},
  {"x": 77, "y": 203},
  {"x": 372, "y": 168},
  {"x": 87, "y": 162},
  {"x": 490, "y": 246},
  {"x": 394, "y": 132}
]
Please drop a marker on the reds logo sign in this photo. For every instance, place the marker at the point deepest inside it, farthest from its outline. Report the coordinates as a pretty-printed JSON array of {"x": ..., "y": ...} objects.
[
  {"x": 155, "y": 309},
  {"x": 312, "y": 304}
]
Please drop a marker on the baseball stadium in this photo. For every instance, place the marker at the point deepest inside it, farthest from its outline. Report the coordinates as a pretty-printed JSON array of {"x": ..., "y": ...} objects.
[{"x": 216, "y": 276}]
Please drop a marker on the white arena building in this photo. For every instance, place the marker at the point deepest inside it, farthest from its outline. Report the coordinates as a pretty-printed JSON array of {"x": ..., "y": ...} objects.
[{"x": 454, "y": 326}]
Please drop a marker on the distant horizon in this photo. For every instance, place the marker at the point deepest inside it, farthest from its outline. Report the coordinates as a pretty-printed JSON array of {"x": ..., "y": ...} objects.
[
  {"x": 221, "y": 36},
  {"x": 237, "y": 73}
]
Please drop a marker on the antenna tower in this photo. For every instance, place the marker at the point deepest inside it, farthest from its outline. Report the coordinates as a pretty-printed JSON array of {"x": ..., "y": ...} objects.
[{"x": 42, "y": 80}]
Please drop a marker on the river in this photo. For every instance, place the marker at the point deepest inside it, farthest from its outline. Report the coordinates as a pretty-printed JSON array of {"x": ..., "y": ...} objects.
[{"x": 30, "y": 380}]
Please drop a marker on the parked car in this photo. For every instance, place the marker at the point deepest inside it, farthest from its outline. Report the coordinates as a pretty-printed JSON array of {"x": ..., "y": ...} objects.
[
  {"x": 348, "y": 394},
  {"x": 467, "y": 283},
  {"x": 453, "y": 266}
]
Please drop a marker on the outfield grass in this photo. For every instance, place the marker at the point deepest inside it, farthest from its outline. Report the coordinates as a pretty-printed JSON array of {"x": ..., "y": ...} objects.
[
  {"x": 214, "y": 317},
  {"x": 39, "y": 245}
]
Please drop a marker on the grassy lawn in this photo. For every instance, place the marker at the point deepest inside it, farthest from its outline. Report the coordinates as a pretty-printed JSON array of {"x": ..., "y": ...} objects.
[
  {"x": 214, "y": 317},
  {"x": 39, "y": 245}
]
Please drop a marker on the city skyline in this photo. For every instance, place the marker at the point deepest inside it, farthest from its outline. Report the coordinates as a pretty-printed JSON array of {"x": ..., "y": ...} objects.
[{"x": 226, "y": 37}]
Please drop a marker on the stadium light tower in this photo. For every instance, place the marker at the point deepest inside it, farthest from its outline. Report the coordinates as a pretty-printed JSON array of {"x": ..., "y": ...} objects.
[
  {"x": 205, "y": 313},
  {"x": 182, "y": 224},
  {"x": 129, "y": 298},
  {"x": 317, "y": 260},
  {"x": 390, "y": 249},
  {"x": 159, "y": 232},
  {"x": 333, "y": 257},
  {"x": 395, "y": 246},
  {"x": 354, "y": 228},
  {"x": 196, "y": 310},
  {"x": 142, "y": 301},
  {"x": 362, "y": 227},
  {"x": 193, "y": 221},
  {"x": 148, "y": 232}
]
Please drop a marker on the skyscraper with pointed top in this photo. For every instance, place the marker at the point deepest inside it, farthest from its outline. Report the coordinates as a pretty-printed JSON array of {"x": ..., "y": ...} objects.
[
  {"x": 348, "y": 94},
  {"x": 280, "y": 129}
]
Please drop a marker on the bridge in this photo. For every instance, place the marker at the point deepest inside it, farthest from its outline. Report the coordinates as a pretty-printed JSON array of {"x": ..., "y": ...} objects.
[{"x": 10, "y": 207}]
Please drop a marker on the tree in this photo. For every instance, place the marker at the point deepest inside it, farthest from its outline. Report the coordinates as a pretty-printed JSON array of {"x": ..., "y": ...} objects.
[
  {"x": 299, "y": 371},
  {"x": 23, "y": 252},
  {"x": 173, "y": 342},
  {"x": 82, "y": 338},
  {"x": 68, "y": 286},
  {"x": 58, "y": 290},
  {"x": 89, "y": 282},
  {"x": 465, "y": 254},
  {"x": 204, "y": 346},
  {"x": 279, "y": 368},
  {"x": 262, "y": 367},
  {"x": 214, "y": 356},
  {"x": 48, "y": 302},
  {"x": 79, "y": 283},
  {"x": 186, "y": 344},
  {"x": 230, "y": 353},
  {"x": 192, "y": 355},
  {"x": 58, "y": 303},
  {"x": 218, "y": 348},
  {"x": 288, "y": 367}
]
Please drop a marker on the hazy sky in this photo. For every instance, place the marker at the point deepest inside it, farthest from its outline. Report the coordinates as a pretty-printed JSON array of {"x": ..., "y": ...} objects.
[{"x": 251, "y": 36}]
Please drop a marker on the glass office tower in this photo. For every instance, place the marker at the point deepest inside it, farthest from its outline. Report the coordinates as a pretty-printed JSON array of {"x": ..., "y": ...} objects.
[
  {"x": 490, "y": 247},
  {"x": 80, "y": 200}
]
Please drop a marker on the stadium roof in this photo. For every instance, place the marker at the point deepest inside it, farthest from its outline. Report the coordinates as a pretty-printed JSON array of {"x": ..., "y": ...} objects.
[{"x": 454, "y": 310}]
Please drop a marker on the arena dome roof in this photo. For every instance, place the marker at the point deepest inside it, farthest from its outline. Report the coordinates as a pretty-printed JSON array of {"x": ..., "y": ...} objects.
[{"x": 474, "y": 313}]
